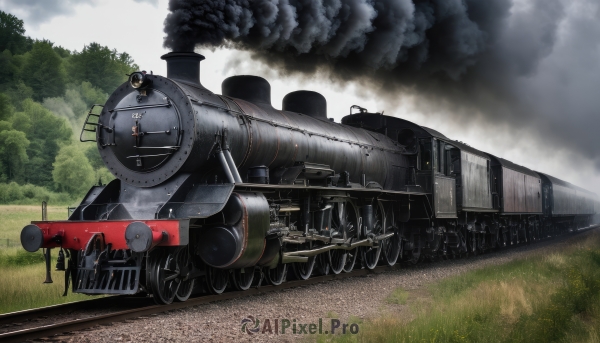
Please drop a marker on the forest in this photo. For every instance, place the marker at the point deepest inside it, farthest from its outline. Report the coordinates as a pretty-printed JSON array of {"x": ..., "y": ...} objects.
[{"x": 45, "y": 94}]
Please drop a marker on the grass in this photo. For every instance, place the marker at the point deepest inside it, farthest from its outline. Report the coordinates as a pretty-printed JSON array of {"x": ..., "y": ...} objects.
[
  {"x": 398, "y": 297},
  {"x": 541, "y": 298},
  {"x": 14, "y": 217},
  {"x": 23, "y": 273},
  {"x": 23, "y": 288},
  {"x": 332, "y": 314}
]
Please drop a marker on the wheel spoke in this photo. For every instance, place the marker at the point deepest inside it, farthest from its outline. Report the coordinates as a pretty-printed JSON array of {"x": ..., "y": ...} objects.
[
  {"x": 163, "y": 278},
  {"x": 172, "y": 277}
]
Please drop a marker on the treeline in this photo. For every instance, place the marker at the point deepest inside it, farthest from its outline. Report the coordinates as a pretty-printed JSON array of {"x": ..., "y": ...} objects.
[{"x": 45, "y": 93}]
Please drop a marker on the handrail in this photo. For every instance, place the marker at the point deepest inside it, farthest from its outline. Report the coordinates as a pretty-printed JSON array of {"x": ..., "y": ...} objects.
[{"x": 87, "y": 122}]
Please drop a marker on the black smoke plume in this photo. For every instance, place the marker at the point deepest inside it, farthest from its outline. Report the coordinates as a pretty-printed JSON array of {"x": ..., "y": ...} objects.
[
  {"x": 425, "y": 36},
  {"x": 478, "y": 58}
]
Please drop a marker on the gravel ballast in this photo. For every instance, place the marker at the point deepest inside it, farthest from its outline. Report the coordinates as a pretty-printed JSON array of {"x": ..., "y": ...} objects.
[{"x": 352, "y": 298}]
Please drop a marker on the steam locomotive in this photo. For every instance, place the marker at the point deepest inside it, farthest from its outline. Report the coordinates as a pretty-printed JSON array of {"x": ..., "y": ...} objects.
[{"x": 225, "y": 191}]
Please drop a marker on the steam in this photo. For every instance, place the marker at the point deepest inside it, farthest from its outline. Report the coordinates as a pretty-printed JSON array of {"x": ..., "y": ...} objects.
[{"x": 529, "y": 65}]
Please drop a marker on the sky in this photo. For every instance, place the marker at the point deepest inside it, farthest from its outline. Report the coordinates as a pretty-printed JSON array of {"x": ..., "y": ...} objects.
[{"x": 563, "y": 75}]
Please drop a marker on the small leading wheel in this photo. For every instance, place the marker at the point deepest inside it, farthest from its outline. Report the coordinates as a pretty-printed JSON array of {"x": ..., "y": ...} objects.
[
  {"x": 187, "y": 285},
  {"x": 371, "y": 254},
  {"x": 169, "y": 272},
  {"x": 216, "y": 279},
  {"x": 242, "y": 278},
  {"x": 276, "y": 276}
]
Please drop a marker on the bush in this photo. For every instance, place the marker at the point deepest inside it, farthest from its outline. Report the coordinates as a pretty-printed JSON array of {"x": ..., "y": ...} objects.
[
  {"x": 15, "y": 194},
  {"x": 72, "y": 171}
]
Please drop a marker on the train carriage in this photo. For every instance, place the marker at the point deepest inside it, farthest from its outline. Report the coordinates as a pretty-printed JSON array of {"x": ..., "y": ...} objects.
[
  {"x": 565, "y": 205},
  {"x": 517, "y": 194}
]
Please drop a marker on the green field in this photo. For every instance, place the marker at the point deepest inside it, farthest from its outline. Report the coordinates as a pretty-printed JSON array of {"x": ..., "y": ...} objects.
[
  {"x": 542, "y": 298},
  {"x": 23, "y": 273}
]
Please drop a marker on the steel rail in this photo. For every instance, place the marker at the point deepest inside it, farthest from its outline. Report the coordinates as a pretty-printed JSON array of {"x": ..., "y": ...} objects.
[
  {"x": 25, "y": 315},
  {"x": 79, "y": 324}
]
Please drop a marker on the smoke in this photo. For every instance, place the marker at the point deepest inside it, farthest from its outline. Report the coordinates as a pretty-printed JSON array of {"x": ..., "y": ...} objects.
[
  {"x": 430, "y": 36},
  {"x": 531, "y": 66}
]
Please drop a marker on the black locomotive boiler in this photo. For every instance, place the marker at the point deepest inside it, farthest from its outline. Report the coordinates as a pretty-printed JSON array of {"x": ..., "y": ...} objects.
[{"x": 216, "y": 191}]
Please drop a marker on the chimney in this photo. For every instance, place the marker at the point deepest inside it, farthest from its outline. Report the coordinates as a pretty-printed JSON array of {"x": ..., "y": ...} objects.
[{"x": 184, "y": 66}]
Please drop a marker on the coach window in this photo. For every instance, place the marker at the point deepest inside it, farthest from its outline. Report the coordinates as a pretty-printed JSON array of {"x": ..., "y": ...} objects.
[{"x": 425, "y": 155}]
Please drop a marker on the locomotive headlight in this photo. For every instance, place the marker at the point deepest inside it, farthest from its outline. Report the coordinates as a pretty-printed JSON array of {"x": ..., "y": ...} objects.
[{"x": 137, "y": 79}]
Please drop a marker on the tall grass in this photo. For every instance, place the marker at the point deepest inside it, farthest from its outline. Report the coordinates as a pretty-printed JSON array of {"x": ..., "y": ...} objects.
[
  {"x": 22, "y": 273},
  {"x": 542, "y": 298},
  {"x": 398, "y": 297},
  {"x": 22, "y": 288},
  {"x": 14, "y": 217}
]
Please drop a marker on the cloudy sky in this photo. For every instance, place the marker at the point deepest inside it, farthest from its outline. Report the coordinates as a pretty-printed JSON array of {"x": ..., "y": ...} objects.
[{"x": 559, "y": 84}]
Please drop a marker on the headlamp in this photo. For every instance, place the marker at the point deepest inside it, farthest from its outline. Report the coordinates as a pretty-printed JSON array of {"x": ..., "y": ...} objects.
[{"x": 138, "y": 79}]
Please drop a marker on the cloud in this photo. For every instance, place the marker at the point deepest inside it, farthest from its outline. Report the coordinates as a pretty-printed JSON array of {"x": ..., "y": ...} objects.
[
  {"x": 151, "y": 2},
  {"x": 35, "y": 12}
]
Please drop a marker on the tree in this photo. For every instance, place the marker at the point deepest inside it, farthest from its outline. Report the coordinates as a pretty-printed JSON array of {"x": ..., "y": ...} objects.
[
  {"x": 102, "y": 67},
  {"x": 19, "y": 93},
  {"x": 72, "y": 171},
  {"x": 12, "y": 34},
  {"x": 47, "y": 133},
  {"x": 6, "y": 109},
  {"x": 43, "y": 71},
  {"x": 103, "y": 175},
  {"x": 93, "y": 156},
  {"x": 92, "y": 95},
  {"x": 62, "y": 52},
  {"x": 13, "y": 152},
  {"x": 44, "y": 125},
  {"x": 8, "y": 70}
]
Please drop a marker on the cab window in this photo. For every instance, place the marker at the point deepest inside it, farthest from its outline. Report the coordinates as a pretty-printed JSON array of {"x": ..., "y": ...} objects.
[{"x": 426, "y": 156}]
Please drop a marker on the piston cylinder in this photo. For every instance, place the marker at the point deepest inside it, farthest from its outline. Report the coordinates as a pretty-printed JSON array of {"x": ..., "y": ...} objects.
[{"x": 238, "y": 241}]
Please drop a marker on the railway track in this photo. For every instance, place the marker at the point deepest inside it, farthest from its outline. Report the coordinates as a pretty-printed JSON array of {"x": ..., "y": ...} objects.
[{"x": 144, "y": 306}]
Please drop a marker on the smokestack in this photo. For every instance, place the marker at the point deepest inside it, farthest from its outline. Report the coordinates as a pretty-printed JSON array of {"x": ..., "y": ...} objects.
[{"x": 184, "y": 66}]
